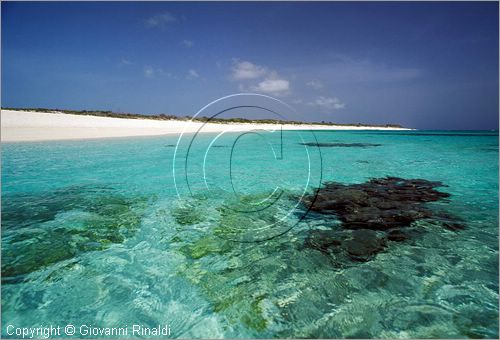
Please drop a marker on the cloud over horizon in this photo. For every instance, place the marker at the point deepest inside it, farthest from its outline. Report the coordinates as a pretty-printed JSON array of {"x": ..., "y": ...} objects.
[
  {"x": 246, "y": 70},
  {"x": 268, "y": 81},
  {"x": 434, "y": 71},
  {"x": 278, "y": 87},
  {"x": 192, "y": 73},
  {"x": 330, "y": 103}
]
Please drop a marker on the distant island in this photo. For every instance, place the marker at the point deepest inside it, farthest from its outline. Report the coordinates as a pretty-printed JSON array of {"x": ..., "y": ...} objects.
[{"x": 111, "y": 114}]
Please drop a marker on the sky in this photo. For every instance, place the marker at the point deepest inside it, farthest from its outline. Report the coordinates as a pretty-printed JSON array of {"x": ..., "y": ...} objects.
[{"x": 419, "y": 64}]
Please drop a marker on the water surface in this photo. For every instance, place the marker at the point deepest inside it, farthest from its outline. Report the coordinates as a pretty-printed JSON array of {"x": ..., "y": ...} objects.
[{"x": 99, "y": 233}]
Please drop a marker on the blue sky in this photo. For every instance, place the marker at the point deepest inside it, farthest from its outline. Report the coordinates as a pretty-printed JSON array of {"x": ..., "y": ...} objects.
[{"x": 424, "y": 65}]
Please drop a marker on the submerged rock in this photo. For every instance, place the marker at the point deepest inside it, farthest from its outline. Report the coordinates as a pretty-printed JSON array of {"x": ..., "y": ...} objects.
[
  {"x": 373, "y": 212},
  {"x": 358, "y": 245},
  {"x": 378, "y": 204},
  {"x": 341, "y": 145},
  {"x": 323, "y": 240},
  {"x": 364, "y": 244},
  {"x": 397, "y": 235}
]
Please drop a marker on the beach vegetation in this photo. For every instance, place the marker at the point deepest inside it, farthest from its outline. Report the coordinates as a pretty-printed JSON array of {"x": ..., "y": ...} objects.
[{"x": 203, "y": 119}]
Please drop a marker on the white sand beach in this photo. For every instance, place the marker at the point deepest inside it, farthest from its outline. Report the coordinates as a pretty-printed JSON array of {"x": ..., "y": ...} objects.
[{"x": 24, "y": 126}]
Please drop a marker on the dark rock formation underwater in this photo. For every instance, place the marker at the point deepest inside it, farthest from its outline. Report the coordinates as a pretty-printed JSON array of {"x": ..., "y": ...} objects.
[{"x": 372, "y": 213}]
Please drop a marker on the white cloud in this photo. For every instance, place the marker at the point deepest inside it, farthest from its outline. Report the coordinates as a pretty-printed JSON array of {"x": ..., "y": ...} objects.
[
  {"x": 270, "y": 82},
  {"x": 192, "y": 74},
  {"x": 161, "y": 20},
  {"x": 328, "y": 103},
  {"x": 187, "y": 43},
  {"x": 246, "y": 70},
  {"x": 124, "y": 62},
  {"x": 273, "y": 86},
  {"x": 315, "y": 84},
  {"x": 149, "y": 71}
]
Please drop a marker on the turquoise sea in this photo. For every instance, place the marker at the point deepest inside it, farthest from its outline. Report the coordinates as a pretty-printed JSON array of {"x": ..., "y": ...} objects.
[{"x": 208, "y": 236}]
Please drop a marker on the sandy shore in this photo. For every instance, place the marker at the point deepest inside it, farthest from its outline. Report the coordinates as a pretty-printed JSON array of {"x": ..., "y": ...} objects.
[{"x": 23, "y": 126}]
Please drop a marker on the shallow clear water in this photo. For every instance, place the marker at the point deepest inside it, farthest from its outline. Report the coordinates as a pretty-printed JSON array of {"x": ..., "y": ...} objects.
[{"x": 99, "y": 233}]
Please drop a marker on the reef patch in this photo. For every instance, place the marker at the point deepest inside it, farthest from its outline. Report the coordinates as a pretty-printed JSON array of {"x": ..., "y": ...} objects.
[
  {"x": 341, "y": 145},
  {"x": 45, "y": 228},
  {"x": 374, "y": 212}
]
